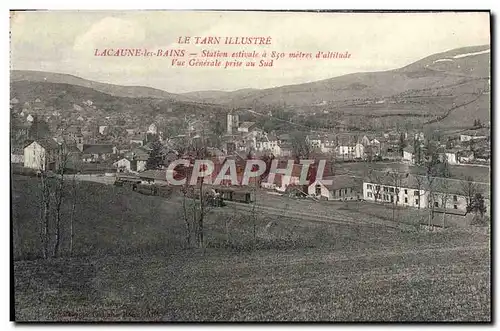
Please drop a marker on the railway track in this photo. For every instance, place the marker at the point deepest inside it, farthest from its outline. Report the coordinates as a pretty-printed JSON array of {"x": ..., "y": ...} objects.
[{"x": 316, "y": 217}]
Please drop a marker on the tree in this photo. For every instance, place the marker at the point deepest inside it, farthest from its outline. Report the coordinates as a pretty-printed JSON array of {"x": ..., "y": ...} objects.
[
  {"x": 420, "y": 186},
  {"x": 397, "y": 179},
  {"x": 402, "y": 143},
  {"x": 478, "y": 205},
  {"x": 444, "y": 188},
  {"x": 375, "y": 177},
  {"x": 45, "y": 195},
  {"x": 431, "y": 165},
  {"x": 469, "y": 190},
  {"x": 59, "y": 196},
  {"x": 430, "y": 186},
  {"x": 155, "y": 158},
  {"x": 74, "y": 198},
  {"x": 417, "y": 147},
  {"x": 300, "y": 147}
]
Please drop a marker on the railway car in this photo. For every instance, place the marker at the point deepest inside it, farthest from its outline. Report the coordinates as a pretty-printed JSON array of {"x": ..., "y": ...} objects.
[{"x": 244, "y": 196}]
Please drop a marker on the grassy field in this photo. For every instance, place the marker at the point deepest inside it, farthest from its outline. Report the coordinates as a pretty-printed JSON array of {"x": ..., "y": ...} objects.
[{"x": 129, "y": 264}]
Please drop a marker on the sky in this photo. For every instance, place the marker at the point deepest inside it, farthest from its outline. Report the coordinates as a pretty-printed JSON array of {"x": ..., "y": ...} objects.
[{"x": 65, "y": 42}]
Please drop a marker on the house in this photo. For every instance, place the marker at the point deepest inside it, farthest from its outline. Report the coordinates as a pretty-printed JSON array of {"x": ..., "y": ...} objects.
[
  {"x": 268, "y": 143},
  {"x": 29, "y": 118},
  {"x": 409, "y": 155},
  {"x": 125, "y": 165},
  {"x": 104, "y": 129},
  {"x": 359, "y": 151},
  {"x": 41, "y": 154},
  {"x": 286, "y": 150},
  {"x": 139, "y": 140},
  {"x": 140, "y": 155},
  {"x": 17, "y": 155},
  {"x": 471, "y": 136},
  {"x": 413, "y": 191},
  {"x": 465, "y": 156},
  {"x": 130, "y": 131},
  {"x": 284, "y": 138},
  {"x": 282, "y": 181},
  {"x": 451, "y": 156},
  {"x": 328, "y": 144},
  {"x": 130, "y": 164},
  {"x": 343, "y": 187},
  {"x": 365, "y": 141},
  {"x": 246, "y": 126},
  {"x": 97, "y": 152},
  {"x": 418, "y": 136},
  {"x": 153, "y": 129},
  {"x": 315, "y": 141},
  {"x": 346, "y": 146}
]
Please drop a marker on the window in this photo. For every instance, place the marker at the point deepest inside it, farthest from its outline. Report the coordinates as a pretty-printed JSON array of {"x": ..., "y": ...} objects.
[
  {"x": 340, "y": 193},
  {"x": 391, "y": 189},
  {"x": 406, "y": 200},
  {"x": 406, "y": 191},
  {"x": 378, "y": 188},
  {"x": 386, "y": 189},
  {"x": 417, "y": 201},
  {"x": 436, "y": 204},
  {"x": 345, "y": 192},
  {"x": 369, "y": 194},
  {"x": 416, "y": 193},
  {"x": 455, "y": 207},
  {"x": 455, "y": 198},
  {"x": 318, "y": 189},
  {"x": 369, "y": 186},
  {"x": 392, "y": 198}
]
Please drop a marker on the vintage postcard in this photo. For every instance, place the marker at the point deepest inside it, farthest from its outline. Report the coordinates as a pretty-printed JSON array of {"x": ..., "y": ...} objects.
[{"x": 250, "y": 166}]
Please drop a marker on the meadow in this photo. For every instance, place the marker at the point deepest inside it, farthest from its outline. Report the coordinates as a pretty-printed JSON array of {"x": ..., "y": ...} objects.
[{"x": 129, "y": 263}]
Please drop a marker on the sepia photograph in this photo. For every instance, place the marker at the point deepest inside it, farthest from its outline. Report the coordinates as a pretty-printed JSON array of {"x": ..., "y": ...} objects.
[{"x": 250, "y": 166}]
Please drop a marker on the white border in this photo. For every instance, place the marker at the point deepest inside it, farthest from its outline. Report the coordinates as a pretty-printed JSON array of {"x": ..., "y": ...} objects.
[{"x": 148, "y": 4}]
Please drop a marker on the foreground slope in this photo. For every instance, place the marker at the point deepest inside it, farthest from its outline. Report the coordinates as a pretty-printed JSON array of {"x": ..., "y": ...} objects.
[{"x": 128, "y": 265}]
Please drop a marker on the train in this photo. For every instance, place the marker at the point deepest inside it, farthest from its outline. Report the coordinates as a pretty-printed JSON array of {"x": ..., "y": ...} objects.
[
  {"x": 147, "y": 189},
  {"x": 214, "y": 196},
  {"x": 236, "y": 195}
]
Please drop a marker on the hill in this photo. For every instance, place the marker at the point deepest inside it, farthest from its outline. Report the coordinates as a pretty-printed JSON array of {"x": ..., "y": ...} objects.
[
  {"x": 72, "y": 101},
  {"x": 431, "y": 90},
  {"x": 111, "y": 89},
  {"x": 449, "y": 89},
  {"x": 128, "y": 265},
  {"x": 435, "y": 71}
]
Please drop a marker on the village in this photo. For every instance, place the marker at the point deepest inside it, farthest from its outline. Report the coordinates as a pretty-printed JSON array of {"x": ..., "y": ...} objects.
[{"x": 385, "y": 167}]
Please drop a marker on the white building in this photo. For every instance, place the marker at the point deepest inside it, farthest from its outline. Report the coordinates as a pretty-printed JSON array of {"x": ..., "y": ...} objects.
[
  {"x": 451, "y": 156},
  {"x": 413, "y": 191},
  {"x": 467, "y": 137},
  {"x": 103, "y": 129},
  {"x": 153, "y": 129},
  {"x": 343, "y": 187},
  {"x": 268, "y": 143},
  {"x": 359, "y": 151},
  {"x": 315, "y": 141},
  {"x": 246, "y": 127},
  {"x": 409, "y": 155},
  {"x": 233, "y": 122},
  {"x": 41, "y": 155}
]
